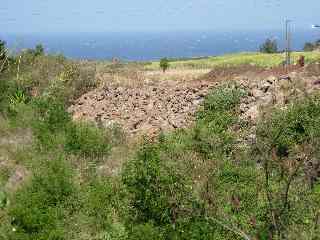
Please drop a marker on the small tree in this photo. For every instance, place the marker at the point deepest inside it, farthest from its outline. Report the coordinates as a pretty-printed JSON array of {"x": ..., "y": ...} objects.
[
  {"x": 308, "y": 47},
  {"x": 164, "y": 64},
  {"x": 269, "y": 46},
  {"x": 39, "y": 50}
]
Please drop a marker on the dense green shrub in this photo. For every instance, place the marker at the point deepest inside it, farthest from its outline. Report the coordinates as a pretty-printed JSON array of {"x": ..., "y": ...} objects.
[
  {"x": 50, "y": 122},
  {"x": 198, "y": 228},
  {"x": 86, "y": 139},
  {"x": 11, "y": 94},
  {"x": 269, "y": 46},
  {"x": 99, "y": 197},
  {"x": 159, "y": 192},
  {"x": 287, "y": 148},
  {"x": 4, "y": 86},
  {"x": 222, "y": 99},
  {"x": 308, "y": 46},
  {"x": 211, "y": 134},
  {"x": 101, "y": 205},
  {"x": 286, "y": 129},
  {"x": 146, "y": 231},
  {"x": 51, "y": 113},
  {"x": 38, "y": 209},
  {"x": 164, "y": 64}
]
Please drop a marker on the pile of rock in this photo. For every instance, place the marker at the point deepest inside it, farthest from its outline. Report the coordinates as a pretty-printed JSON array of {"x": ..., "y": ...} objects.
[
  {"x": 271, "y": 91},
  {"x": 164, "y": 106},
  {"x": 145, "y": 110}
]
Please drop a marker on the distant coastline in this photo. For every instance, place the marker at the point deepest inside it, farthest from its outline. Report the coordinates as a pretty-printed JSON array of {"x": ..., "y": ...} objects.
[{"x": 140, "y": 46}]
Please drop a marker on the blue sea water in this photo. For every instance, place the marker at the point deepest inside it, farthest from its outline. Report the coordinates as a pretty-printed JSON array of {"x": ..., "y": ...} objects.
[{"x": 143, "y": 46}]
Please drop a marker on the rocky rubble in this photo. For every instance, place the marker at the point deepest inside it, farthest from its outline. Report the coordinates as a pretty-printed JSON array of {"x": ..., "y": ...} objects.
[
  {"x": 168, "y": 105},
  {"x": 147, "y": 110},
  {"x": 275, "y": 90}
]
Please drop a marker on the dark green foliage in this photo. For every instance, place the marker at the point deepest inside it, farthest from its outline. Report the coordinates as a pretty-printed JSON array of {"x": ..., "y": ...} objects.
[
  {"x": 198, "y": 228},
  {"x": 160, "y": 184},
  {"x": 51, "y": 119},
  {"x": 158, "y": 190},
  {"x": 221, "y": 99},
  {"x": 211, "y": 133},
  {"x": 269, "y": 46},
  {"x": 4, "y": 86},
  {"x": 146, "y": 231},
  {"x": 36, "y": 52},
  {"x": 39, "y": 50},
  {"x": 37, "y": 211},
  {"x": 288, "y": 143},
  {"x": 87, "y": 140},
  {"x": 296, "y": 126},
  {"x": 308, "y": 46},
  {"x": 51, "y": 113},
  {"x": 53, "y": 126},
  {"x": 3, "y": 199},
  {"x": 99, "y": 202},
  {"x": 219, "y": 108},
  {"x": 12, "y": 95},
  {"x": 164, "y": 64}
]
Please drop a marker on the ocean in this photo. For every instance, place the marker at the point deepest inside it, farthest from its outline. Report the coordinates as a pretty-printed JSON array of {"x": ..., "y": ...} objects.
[{"x": 144, "y": 46}]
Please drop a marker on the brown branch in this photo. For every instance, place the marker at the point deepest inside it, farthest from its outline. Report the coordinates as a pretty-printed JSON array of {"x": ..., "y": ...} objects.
[
  {"x": 287, "y": 189},
  {"x": 269, "y": 194}
]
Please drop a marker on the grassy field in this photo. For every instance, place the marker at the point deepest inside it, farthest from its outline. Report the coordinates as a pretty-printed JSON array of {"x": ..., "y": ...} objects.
[{"x": 259, "y": 59}]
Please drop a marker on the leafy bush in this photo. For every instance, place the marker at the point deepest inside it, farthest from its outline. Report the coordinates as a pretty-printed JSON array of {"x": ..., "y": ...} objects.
[
  {"x": 146, "y": 231},
  {"x": 86, "y": 139},
  {"x": 99, "y": 202},
  {"x": 287, "y": 144},
  {"x": 4, "y": 86},
  {"x": 159, "y": 192},
  {"x": 269, "y": 46},
  {"x": 39, "y": 50},
  {"x": 211, "y": 133},
  {"x": 51, "y": 113},
  {"x": 38, "y": 209},
  {"x": 308, "y": 46},
  {"x": 101, "y": 208},
  {"x": 3, "y": 199},
  {"x": 198, "y": 228},
  {"x": 164, "y": 64},
  {"x": 286, "y": 129},
  {"x": 50, "y": 121}
]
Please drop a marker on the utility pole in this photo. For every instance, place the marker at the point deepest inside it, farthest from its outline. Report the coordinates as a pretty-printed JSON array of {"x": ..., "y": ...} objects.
[{"x": 288, "y": 43}]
